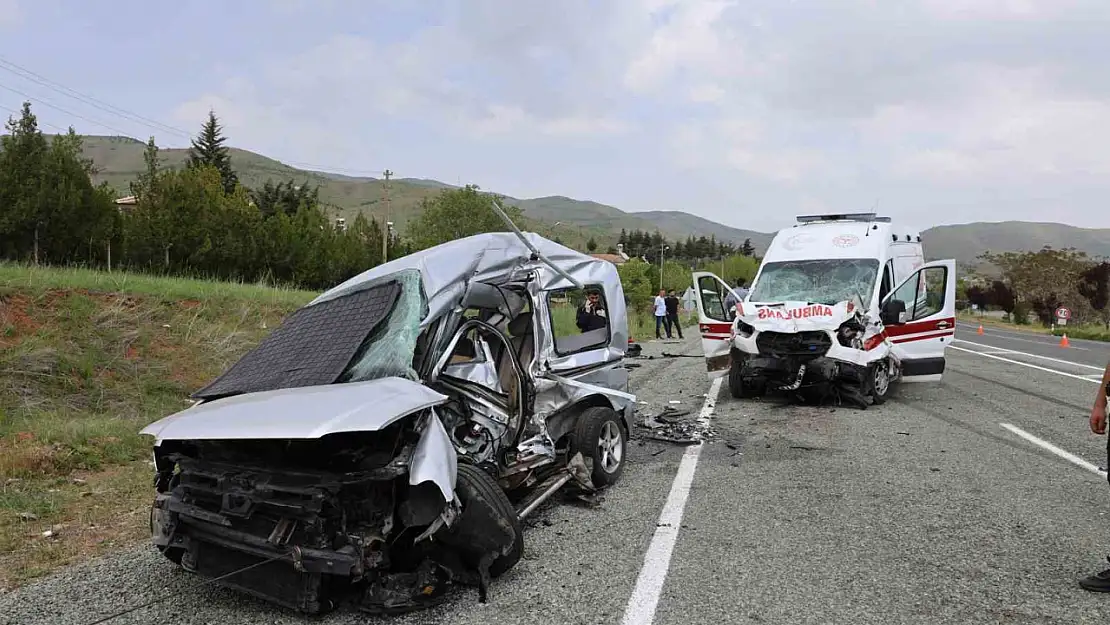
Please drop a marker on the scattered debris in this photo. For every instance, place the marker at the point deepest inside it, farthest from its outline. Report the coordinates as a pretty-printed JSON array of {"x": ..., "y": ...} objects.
[
  {"x": 670, "y": 355},
  {"x": 28, "y": 516},
  {"x": 79, "y": 482},
  {"x": 903, "y": 433},
  {"x": 669, "y": 426}
]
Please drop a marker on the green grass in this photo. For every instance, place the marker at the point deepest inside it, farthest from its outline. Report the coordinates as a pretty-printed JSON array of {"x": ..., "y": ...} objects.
[{"x": 86, "y": 360}]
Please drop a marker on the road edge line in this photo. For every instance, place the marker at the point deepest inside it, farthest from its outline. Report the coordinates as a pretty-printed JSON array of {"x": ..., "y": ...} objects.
[
  {"x": 1025, "y": 364},
  {"x": 1029, "y": 354},
  {"x": 1043, "y": 444},
  {"x": 657, "y": 560}
]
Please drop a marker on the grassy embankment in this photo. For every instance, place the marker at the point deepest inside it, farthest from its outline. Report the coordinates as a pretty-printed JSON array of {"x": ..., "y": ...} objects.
[{"x": 86, "y": 360}]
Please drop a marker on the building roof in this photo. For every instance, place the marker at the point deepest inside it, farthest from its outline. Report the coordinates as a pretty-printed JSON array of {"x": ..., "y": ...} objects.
[{"x": 616, "y": 259}]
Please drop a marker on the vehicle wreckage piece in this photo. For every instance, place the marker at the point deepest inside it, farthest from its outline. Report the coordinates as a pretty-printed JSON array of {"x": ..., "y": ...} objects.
[{"x": 372, "y": 445}]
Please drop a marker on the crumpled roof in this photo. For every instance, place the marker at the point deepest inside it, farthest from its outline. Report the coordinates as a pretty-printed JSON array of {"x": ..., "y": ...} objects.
[{"x": 493, "y": 257}]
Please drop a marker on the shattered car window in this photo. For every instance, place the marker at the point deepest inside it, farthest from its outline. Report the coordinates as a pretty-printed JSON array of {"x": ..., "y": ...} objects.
[
  {"x": 389, "y": 350},
  {"x": 363, "y": 335},
  {"x": 823, "y": 281}
]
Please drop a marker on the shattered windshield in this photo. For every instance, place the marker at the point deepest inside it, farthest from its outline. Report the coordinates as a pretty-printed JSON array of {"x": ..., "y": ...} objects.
[{"x": 822, "y": 281}]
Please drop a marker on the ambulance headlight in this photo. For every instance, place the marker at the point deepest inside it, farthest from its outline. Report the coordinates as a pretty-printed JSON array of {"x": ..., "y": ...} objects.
[{"x": 744, "y": 329}]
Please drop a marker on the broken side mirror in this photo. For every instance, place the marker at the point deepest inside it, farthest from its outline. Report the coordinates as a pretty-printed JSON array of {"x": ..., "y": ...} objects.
[{"x": 893, "y": 312}]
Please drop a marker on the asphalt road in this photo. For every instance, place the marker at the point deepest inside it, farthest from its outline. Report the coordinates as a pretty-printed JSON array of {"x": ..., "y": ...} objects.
[{"x": 932, "y": 508}]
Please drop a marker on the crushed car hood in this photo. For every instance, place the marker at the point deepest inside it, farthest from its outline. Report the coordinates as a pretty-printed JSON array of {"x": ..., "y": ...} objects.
[
  {"x": 792, "y": 317},
  {"x": 299, "y": 413}
]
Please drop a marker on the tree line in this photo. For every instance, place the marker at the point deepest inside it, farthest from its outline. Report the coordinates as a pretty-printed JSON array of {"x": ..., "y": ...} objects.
[
  {"x": 200, "y": 220},
  {"x": 1039, "y": 282},
  {"x": 650, "y": 246}
]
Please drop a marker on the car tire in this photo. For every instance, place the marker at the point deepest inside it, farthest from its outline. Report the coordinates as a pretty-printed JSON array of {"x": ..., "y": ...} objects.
[
  {"x": 739, "y": 388},
  {"x": 879, "y": 382},
  {"x": 474, "y": 484},
  {"x": 602, "y": 439}
]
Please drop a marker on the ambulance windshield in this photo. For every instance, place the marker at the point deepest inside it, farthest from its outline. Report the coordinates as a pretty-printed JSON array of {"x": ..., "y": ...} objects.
[{"x": 818, "y": 281}]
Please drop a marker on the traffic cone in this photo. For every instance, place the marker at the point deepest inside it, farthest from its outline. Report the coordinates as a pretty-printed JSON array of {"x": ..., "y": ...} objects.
[
  {"x": 980, "y": 329},
  {"x": 1064, "y": 341}
]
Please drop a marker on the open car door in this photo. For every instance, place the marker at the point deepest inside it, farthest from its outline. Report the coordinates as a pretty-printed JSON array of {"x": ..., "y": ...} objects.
[
  {"x": 928, "y": 323},
  {"x": 714, "y": 322}
]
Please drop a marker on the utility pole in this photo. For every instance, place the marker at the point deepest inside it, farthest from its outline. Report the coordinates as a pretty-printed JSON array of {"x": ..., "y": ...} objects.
[{"x": 385, "y": 222}]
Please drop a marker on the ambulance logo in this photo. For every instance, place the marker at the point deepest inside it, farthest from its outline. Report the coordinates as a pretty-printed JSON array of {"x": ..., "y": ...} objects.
[
  {"x": 798, "y": 242},
  {"x": 846, "y": 240}
]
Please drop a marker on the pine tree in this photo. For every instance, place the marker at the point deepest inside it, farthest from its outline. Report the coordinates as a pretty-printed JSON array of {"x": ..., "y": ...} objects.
[
  {"x": 747, "y": 249},
  {"x": 209, "y": 149},
  {"x": 591, "y": 245}
]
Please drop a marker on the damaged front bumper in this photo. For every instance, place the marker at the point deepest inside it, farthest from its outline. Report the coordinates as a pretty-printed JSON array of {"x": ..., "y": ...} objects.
[
  {"x": 304, "y": 540},
  {"x": 812, "y": 363}
]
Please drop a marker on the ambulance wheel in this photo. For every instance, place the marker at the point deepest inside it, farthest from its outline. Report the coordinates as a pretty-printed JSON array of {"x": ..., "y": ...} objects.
[
  {"x": 878, "y": 382},
  {"x": 738, "y": 386}
]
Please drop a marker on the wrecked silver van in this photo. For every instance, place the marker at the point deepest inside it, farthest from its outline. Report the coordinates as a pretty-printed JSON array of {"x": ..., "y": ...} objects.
[{"x": 387, "y": 439}]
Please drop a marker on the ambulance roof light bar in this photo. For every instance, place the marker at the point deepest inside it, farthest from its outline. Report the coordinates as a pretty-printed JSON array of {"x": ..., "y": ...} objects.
[{"x": 860, "y": 217}]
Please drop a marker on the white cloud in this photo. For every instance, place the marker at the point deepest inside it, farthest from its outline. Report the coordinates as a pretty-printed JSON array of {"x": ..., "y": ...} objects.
[
  {"x": 900, "y": 98},
  {"x": 11, "y": 15}
]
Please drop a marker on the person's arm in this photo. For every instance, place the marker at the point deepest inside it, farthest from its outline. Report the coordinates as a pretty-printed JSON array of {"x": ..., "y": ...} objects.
[
  {"x": 582, "y": 320},
  {"x": 1098, "y": 411}
]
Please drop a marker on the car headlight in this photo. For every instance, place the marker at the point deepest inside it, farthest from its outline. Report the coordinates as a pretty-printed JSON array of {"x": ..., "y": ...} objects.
[{"x": 744, "y": 329}]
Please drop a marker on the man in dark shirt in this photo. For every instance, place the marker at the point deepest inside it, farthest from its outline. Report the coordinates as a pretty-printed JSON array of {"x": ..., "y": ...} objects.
[
  {"x": 592, "y": 314},
  {"x": 672, "y": 312}
]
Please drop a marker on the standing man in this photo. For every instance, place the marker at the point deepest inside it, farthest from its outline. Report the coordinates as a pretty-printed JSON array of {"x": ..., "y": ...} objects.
[
  {"x": 591, "y": 314},
  {"x": 735, "y": 296},
  {"x": 672, "y": 312},
  {"x": 1099, "y": 582},
  {"x": 661, "y": 320}
]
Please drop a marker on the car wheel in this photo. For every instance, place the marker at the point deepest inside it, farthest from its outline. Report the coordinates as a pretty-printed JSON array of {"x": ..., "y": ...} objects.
[
  {"x": 878, "y": 379},
  {"x": 486, "y": 508},
  {"x": 737, "y": 386},
  {"x": 603, "y": 441}
]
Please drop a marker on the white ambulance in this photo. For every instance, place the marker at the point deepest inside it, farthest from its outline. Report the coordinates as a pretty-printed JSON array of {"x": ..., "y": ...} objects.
[{"x": 842, "y": 307}]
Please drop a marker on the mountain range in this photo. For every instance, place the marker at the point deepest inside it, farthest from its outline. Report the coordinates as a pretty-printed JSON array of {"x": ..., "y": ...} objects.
[{"x": 120, "y": 160}]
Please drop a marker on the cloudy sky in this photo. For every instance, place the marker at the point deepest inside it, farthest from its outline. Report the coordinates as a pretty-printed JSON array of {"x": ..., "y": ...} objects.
[{"x": 742, "y": 111}]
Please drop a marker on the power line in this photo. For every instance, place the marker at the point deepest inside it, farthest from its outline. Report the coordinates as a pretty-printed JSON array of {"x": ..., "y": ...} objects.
[
  {"x": 67, "y": 112},
  {"x": 133, "y": 117},
  {"x": 87, "y": 99},
  {"x": 18, "y": 113}
]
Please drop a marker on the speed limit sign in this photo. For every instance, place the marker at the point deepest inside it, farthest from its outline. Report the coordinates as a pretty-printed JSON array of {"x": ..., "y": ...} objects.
[{"x": 1062, "y": 315}]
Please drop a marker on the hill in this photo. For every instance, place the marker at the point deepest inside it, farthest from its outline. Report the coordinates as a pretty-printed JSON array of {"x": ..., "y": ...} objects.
[
  {"x": 120, "y": 160},
  {"x": 573, "y": 221}
]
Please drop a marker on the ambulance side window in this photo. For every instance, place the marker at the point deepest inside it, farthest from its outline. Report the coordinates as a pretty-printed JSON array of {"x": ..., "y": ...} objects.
[{"x": 887, "y": 283}]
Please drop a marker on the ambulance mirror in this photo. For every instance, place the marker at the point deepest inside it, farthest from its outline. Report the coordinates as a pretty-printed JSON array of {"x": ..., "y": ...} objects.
[{"x": 893, "y": 312}]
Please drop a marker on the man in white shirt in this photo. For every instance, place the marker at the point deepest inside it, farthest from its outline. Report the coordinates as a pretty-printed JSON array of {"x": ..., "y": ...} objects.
[{"x": 661, "y": 314}]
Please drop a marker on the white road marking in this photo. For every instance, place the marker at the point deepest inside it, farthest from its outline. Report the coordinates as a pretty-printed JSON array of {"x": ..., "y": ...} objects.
[
  {"x": 1016, "y": 336},
  {"x": 1072, "y": 458},
  {"x": 992, "y": 348},
  {"x": 1025, "y": 364},
  {"x": 657, "y": 560}
]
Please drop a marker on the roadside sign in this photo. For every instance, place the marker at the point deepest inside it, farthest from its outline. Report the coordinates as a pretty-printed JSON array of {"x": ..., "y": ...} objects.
[{"x": 1062, "y": 315}]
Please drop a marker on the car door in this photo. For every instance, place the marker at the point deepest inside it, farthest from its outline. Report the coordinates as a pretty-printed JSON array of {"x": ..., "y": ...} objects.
[
  {"x": 929, "y": 323},
  {"x": 714, "y": 322}
]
